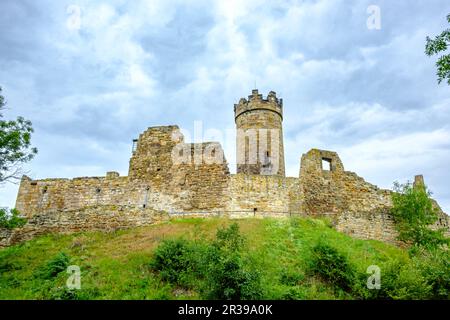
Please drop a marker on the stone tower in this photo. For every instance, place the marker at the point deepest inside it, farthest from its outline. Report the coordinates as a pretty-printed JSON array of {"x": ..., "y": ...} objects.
[{"x": 259, "y": 138}]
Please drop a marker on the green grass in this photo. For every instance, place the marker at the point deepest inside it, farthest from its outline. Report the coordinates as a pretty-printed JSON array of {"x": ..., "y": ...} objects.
[{"x": 116, "y": 265}]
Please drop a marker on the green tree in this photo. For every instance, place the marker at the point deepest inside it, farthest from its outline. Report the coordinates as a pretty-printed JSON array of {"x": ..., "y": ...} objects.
[
  {"x": 15, "y": 145},
  {"x": 440, "y": 44},
  {"x": 414, "y": 212},
  {"x": 11, "y": 219}
]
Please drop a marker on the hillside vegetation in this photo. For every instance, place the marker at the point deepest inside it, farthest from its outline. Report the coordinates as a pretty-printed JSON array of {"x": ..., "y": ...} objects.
[{"x": 297, "y": 258}]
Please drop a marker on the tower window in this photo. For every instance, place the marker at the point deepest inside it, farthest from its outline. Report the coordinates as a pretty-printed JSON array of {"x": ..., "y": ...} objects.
[
  {"x": 267, "y": 154},
  {"x": 134, "y": 147},
  {"x": 326, "y": 164}
]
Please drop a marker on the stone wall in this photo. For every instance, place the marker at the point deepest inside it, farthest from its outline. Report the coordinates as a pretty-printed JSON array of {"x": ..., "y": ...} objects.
[
  {"x": 168, "y": 177},
  {"x": 195, "y": 179},
  {"x": 357, "y": 207},
  {"x": 368, "y": 225},
  {"x": 201, "y": 182},
  {"x": 335, "y": 191},
  {"x": 100, "y": 218},
  {"x": 258, "y": 194},
  {"x": 5, "y": 237}
]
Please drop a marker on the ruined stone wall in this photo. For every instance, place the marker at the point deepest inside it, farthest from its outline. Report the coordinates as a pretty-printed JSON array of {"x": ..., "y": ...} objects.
[
  {"x": 168, "y": 177},
  {"x": 51, "y": 195},
  {"x": 258, "y": 195},
  {"x": 195, "y": 175},
  {"x": 200, "y": 181},
  {"x": 152, "y": 159},
  {"x": 195, "y": 179},
  {"x": 5, "y": 237},
  {"x": 365, "y": 225},
  {"x": 357, "y": 207},
  {"x": 100, "y": 218},
  {"x": 335, "y": 191}
]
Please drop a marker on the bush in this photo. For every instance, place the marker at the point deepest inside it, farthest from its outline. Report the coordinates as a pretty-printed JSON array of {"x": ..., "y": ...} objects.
[
  {"x": 403, "y": 281},
  {"x": 64, "y": 293},
  {"x": 291, "y": 278},
  {"x": 178, "y": 261},
  {"x": 11, "y": 219},
  {"x": 227, "y": 279},
  {"x": 294, "y": 293},
  {"x": 434, "y": 267},
  {"x": 399, "y": 281},
  {"x": 332, "y": 266},
  {"x": 54, "y": 266},
  {"x": 216, "y": 269},
  {"x": 229, "y": 238}
]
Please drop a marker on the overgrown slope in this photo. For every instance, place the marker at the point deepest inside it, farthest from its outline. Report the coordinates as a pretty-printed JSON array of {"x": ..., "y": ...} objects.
[{"x": 117, "y": 265}]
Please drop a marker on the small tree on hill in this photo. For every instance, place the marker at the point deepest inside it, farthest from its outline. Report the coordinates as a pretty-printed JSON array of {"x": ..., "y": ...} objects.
[{"x": 414, "y": 213}]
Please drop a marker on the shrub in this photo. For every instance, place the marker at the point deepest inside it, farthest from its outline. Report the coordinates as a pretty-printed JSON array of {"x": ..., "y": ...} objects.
[
  {"x": 291, "y": 278},
  {"x": 404, "y": 281},
  {"x": 227, "y": 279},
  {"x": 11, "y": 219},
  {"x": 216, "y": 269},
  {"x": 294, "y": 293},
  {"x": 179, "y": 261},
  {"x": 54, "y": 266},
  {"x": 399, "y": 281},
  {"x": 64, "y": 293},
  {"x": 434, "y": 267},
  {"x": 332, "y": 266},
  {"x": 229, "y": 238}
]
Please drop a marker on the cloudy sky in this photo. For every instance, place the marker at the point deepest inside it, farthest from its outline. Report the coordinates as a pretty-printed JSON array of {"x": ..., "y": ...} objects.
[{"x": 92, "y": 75}]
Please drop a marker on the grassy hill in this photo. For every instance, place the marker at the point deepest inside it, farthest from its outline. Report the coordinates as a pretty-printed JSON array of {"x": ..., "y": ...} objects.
[{"x": 117, "y": 265}]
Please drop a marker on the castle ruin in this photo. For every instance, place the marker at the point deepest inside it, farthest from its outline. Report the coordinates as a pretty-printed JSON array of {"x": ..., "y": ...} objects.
[{"x": 169, "y": 177}]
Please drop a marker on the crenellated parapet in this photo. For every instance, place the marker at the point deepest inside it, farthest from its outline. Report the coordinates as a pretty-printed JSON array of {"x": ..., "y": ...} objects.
[{"x": 256, "y": 101}]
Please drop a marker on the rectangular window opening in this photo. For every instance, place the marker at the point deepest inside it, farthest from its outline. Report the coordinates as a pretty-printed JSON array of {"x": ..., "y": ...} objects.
[
  {"x": 326, "y": 164},
  {"x": 134, "y": 147}
]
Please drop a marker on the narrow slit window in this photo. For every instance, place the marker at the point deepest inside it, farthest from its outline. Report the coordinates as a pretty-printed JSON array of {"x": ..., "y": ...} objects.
[{"x": 134, "y": 147}]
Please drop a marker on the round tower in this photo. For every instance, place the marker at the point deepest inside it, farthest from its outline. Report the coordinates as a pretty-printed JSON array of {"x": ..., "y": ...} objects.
[{"x": 259, "y": 138}]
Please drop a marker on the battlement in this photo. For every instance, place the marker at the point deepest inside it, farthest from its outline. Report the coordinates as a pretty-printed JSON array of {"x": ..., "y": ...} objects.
[{"x": 256, "y": 101}]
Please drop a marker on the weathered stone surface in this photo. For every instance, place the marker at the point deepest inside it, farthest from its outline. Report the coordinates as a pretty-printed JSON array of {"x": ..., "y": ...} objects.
[
  {"x": 170, "y": 178},
  {"x": 259, "y": 129}
]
